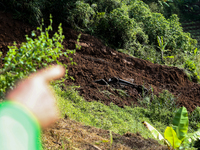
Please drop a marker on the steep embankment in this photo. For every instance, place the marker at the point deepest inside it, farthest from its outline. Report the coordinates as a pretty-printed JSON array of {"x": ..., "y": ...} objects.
[{"x": 96, "y": 61}]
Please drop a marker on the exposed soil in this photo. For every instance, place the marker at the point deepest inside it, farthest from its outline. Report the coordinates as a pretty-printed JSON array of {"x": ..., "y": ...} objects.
[
  {"x": 73, "y": 134},
  {"x": 97, "y": 61}
]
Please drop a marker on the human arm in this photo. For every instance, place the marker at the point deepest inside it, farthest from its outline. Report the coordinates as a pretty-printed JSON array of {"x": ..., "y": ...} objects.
[{"x": 30, "y": 105}]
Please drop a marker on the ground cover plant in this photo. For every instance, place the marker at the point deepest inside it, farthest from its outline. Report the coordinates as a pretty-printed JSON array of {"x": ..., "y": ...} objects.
[
  {"x": 96, "y": 114},
  {"x": 119, "y": 120},
  {"x": 129, "y": 119}
]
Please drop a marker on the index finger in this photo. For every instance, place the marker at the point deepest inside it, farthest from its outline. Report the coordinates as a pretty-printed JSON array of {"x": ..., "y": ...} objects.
[{"x": 51, "y": 73}]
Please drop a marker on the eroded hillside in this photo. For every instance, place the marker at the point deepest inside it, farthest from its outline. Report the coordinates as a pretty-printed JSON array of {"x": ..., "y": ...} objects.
[{"x": 96, "y": 61}]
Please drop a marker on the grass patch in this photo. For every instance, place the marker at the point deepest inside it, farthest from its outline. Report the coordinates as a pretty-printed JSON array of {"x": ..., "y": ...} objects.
[
  {"x": 157, "y": 110},
  {"x": 114, "y": 118}
]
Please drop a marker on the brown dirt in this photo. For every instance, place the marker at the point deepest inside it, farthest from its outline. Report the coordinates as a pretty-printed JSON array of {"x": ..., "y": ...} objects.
[
  {"x": 96, "y": 61},
  {"x": 71, "y": 134}
]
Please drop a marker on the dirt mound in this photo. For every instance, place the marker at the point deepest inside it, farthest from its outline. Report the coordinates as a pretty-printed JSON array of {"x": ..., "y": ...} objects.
[{"x": 96, "y": 61}]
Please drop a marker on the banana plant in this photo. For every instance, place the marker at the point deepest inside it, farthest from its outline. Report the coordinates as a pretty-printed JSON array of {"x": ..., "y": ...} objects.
[
  {"x": 176, "y": 137},
  {"x": 155, "y": 133},
  {"x": 162, "y": 46}
]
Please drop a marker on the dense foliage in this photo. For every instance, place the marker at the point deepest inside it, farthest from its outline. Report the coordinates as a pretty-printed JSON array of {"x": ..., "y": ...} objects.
[
  {"x": 37, "y": 52},
  {"x": 185, "y": 9},
  {"x": 131, "y": 26}
]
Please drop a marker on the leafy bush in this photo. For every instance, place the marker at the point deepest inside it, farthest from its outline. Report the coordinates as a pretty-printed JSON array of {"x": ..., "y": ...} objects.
[
  {"x": 81, "y": 17},
  {"x": 118, "y": 28},
  {"x": 139, "y": 11},
  {"x": 194, "y": 118},
  {"x": 105, "y": 5},
  {"x": 36, "y": 52},
  {"x": 192, "y": 65},
  {"x": 115, "y": 21},
  {"x": 160, "y": 108},
  {"x": 177, "y": 40},
  {"x": 154, "y": 25}
]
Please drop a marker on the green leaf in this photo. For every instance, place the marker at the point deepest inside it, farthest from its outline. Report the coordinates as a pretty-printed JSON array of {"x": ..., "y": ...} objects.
[
  {"x": 193, "y": 136},
  {"x": 155, "y": 133},
  {"x": 180, "y": 123},
  {"x": 195, "y": 51},
  {"x": 34, "y": 51},
  {"x": 159, "y": 41},
  {"x": 33, "y": 33},
  {"x": 171, "y": 136},
  {"x": 166, "y": 4},
  {"x": 169, "y": 57}
]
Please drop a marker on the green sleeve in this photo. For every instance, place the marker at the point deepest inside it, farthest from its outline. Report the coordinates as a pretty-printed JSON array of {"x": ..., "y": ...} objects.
[{"x": 19, "y": 129}]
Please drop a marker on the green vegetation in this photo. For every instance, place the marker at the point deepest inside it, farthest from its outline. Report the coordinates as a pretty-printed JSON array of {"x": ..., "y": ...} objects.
[
  {"x": 159, "y": 108},
  {"x": 37, "y": 52},
  {"x": 129, "y": 119},
  {"x": 177, "y": 135},
  {"x": 114, "y": 118},
  {"x": 130, "y": 26},
  {"x": 185, "y": 9},
  {"x": 151, "y": 32}
]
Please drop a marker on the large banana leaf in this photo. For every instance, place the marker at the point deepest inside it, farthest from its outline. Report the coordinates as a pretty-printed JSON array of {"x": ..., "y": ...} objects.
[
  {"x": 155, "y": 133},
  {"x": 193, "y": 136},
  {"x": 160, "y": 41},
  {"x": 171, "y": 136},
  {"x": 180, "y": 123}
]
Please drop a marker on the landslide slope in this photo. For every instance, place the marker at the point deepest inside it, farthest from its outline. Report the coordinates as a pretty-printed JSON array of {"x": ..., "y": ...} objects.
[{"x": 96, "y": 61}]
